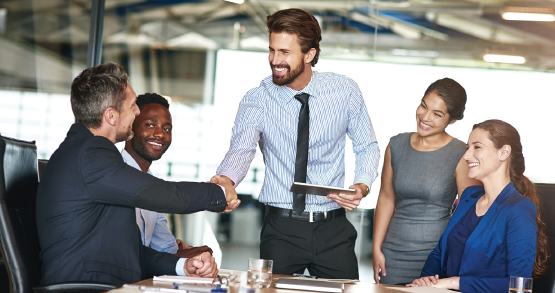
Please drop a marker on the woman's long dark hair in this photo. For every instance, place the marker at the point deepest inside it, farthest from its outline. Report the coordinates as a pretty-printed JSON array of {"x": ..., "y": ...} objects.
[
  {"x": 502, "y": 133},
  {"x": 452, "y": 93}
]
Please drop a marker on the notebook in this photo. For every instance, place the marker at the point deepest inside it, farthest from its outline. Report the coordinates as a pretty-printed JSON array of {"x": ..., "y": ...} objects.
[{"x": 309, "y": 285}]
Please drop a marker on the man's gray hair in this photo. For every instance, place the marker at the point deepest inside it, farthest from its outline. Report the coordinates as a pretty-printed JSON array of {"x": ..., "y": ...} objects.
[{"x": 96, "y": 89}]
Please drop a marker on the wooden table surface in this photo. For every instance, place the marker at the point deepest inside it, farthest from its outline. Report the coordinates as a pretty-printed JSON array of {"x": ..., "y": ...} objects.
[{"x": 358, "y": 287}]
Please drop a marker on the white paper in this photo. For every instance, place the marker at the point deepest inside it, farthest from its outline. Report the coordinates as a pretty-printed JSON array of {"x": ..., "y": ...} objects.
[
  {"x": 344, "y": 281},
  {"x": 422, "y": 289},
  {"x": 183, "y": 279}
]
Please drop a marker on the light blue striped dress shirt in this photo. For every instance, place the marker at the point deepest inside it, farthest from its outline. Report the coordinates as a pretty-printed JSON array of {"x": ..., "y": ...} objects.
[
  {"x": 155, "y": 232},
  {"x": 269, "y": 115},
  {"x": 160, "y": 237}
]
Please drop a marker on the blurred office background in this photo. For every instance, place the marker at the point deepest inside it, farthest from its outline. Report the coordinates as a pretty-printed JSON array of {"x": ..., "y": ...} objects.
[{"x": 205, "y": 54}]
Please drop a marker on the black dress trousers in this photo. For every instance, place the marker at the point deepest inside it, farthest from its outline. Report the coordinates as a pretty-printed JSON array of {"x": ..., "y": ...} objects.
[{"x": 326, "y": 249}]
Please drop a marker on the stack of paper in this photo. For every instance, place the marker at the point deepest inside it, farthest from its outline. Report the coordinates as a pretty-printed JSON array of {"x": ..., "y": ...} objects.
[
  {"x": 423, "y": 289},
  {"x": 183, "y": 279},
  {"x": 309, "y": 285}
]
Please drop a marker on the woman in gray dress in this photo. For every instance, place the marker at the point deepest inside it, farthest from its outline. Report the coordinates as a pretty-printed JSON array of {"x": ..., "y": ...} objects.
[{"x": 422, "y": 174}]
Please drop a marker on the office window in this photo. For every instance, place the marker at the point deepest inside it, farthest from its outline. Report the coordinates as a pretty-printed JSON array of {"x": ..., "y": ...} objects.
[{"x": 43, "y": 45}]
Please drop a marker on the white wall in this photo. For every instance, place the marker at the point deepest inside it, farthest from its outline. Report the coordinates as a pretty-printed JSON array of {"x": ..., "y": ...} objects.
[{"x": 393, "y": 91}]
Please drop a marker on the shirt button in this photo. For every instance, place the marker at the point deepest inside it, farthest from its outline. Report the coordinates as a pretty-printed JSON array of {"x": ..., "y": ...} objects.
[{"x": 309, "y": 150}]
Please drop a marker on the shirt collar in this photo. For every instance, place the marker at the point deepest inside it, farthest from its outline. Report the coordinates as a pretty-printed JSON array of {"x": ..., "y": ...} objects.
[
  {"x": 311, "y": 88},
  {"x": 502, "y": 197},
  {"x": 128, "y": 159}
]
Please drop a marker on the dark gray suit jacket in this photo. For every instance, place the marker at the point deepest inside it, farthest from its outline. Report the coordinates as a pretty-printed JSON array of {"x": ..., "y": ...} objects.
[{"x": 86, "y": 213}]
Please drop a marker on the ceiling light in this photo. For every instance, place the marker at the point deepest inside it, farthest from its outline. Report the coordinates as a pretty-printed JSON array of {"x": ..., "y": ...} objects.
[
  {"x": 523, "y": 16},
  {"x": 501, "y": 58},
  {"x": 236, "y": 1}
]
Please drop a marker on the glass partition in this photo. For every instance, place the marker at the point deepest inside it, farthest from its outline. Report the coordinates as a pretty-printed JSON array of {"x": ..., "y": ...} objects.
[{"x": 43, "y": 46}]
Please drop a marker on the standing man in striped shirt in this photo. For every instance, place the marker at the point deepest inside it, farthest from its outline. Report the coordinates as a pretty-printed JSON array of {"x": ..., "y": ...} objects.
[{"x": 300, "y": 118}]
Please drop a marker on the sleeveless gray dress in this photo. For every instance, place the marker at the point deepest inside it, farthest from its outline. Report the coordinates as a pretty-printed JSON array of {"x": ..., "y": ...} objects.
[{"x": 425, "y": 189}]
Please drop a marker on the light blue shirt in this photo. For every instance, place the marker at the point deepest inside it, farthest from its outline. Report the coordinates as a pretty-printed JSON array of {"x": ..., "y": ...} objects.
[
  {"x": 268, "y": 116},
  {"x": 155, "y": 232}
]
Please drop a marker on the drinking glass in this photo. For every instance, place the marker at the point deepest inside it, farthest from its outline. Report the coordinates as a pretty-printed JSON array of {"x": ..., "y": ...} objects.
[
  {"x": 260, "y": 273},
  {"x": 520, "y": 285}
]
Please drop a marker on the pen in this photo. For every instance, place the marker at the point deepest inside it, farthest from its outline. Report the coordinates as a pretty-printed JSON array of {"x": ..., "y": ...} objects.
[{"x": 196, "y": 289}]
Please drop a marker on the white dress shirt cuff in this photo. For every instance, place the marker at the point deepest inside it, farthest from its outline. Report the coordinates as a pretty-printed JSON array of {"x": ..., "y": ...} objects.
[
  {"x": 366, "y": 179},
  {"x": 223, "y": 189},
  {"x": 179, "y": 270},
  {"x": 231, "y": 175}
]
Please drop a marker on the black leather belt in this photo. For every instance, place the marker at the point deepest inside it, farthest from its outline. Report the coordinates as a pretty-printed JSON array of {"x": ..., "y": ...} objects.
[{"x": 305, "y": 216}]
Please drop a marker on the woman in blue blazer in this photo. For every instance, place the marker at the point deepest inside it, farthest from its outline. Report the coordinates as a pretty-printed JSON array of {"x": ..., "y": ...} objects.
[{"x": 496, "y": 231}]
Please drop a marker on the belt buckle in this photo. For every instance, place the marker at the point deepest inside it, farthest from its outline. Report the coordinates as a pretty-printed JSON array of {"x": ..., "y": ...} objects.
[{"x": 311, "y": 216}]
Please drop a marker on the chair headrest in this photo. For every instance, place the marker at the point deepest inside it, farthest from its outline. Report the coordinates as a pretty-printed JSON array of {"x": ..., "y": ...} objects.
[{"x": 18, "y": 173}]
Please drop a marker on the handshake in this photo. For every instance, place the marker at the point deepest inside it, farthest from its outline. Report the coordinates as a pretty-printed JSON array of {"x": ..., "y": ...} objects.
[
  {"x": 200, "y": 262},
  {"x": 230, "y": 193}
]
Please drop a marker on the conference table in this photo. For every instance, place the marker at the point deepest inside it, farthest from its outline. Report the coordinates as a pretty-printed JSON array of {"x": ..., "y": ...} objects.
[{"x": 357, "y": 287}]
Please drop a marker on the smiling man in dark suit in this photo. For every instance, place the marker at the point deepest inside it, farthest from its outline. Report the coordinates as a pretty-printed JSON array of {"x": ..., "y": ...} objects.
[{"x": 87, "y": 196}]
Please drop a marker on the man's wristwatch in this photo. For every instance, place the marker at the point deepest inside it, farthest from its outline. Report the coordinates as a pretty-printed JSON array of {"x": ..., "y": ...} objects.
[{"x": 367, "y": 189}]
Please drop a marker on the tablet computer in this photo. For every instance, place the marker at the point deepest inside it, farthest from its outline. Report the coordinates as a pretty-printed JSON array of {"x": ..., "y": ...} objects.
[{"x": 304, "y": 188}]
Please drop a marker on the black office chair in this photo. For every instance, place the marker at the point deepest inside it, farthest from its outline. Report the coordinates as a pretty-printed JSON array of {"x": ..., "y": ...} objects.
[
  {"x": 18, "y": 232},
  {"x": 4, "y": 279},
  {"x": 546, "y": 193},
  {"x": 41, "y": 167}
]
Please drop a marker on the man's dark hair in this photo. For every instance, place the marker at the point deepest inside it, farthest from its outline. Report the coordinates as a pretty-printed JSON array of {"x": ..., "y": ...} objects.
[
  {"x": 96, "y": 89},
  {"x": 152, "y": 98},
  {"x": 300, "y": 23}
]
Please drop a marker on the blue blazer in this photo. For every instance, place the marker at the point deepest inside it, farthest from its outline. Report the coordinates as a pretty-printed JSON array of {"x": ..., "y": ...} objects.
[{"x": 502, "y": 245}]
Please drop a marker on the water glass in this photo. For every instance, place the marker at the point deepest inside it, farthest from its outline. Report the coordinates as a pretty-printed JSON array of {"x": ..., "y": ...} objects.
[
  {"x": 260, "y": 273},
  {"x": 520, "y": 285}
]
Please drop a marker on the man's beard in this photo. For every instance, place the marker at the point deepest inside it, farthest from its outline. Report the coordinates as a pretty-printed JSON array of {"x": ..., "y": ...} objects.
[
  {"x": 140, "y": 148},
  {"x": 125, "y": 135},
  {"x": 290, "y": 76}
]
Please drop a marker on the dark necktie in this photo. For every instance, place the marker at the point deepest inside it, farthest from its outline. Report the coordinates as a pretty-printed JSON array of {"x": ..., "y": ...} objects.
[{"x": 302, "y": 151}]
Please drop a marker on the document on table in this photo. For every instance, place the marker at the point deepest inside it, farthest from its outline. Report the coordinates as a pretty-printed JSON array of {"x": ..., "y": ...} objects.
[
  {"x": 423, "y": 289},
  {"x": 183, "y": 279},
  {"x": 127, "y": 288},
  {"x": 309, "y": 285},
  {"x": 344, "y": 281}
]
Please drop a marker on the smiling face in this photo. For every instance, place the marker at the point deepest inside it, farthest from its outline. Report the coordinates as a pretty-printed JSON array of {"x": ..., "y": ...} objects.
[
  {"x": 482, "y": 157},
  {"x": 431, "y": 115},
  {"x": 127, "y": 113},
  {"x": 153, "y": 132},
  {"x": 286, "y": 58}
]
